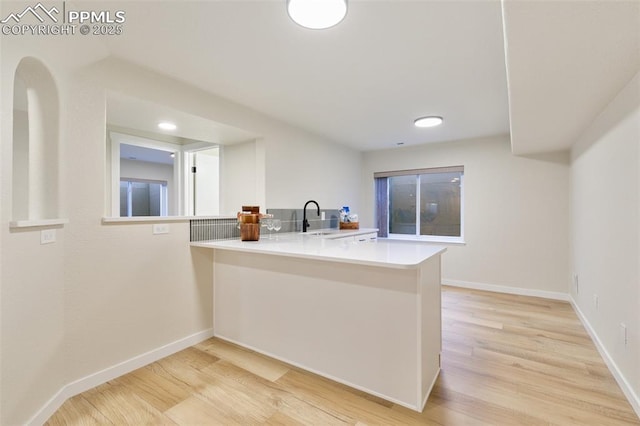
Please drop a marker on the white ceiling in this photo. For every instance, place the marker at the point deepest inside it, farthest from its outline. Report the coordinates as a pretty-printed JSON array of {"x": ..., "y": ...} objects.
[
  {"x": 363, "y": 82},
  {"x": 566, "y": 60},
  {"x": 139, "y": 153}
]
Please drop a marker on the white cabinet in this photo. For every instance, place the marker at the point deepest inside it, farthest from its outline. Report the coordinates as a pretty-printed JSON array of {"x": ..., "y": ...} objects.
[
  {"x": 370, "y": 236},
  {"x": 366, "y": 237},
  {"x": 326, "y": 315}
]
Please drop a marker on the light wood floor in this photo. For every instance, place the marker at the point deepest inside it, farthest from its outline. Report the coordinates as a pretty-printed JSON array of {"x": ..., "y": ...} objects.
[{"x": 507, "y": 360}]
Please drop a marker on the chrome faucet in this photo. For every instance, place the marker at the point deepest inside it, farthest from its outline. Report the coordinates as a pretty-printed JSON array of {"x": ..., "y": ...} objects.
[{"x": 305, "y": 222}]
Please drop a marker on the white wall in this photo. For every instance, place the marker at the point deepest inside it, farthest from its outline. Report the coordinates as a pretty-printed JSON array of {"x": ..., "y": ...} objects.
[
  {"x": 133, "y": 169},
  {"x": 515, "y": 212},
  {"x": 103, "y": 294},
  {"x": 301, "y": 169},
  {"x": 32, "y": 340},
  {"x": 240, "y": 179},
  {"x": 207, "y": 191},
  {"x": 32, "y": 308},
  {"x": 286, "y": 168},
  {"x": 20, "y": 157},
  {"x": 605, "y": 175}
]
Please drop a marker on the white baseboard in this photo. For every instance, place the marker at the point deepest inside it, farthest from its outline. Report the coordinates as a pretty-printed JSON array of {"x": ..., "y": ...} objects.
[
  {"x": 508, "y": 290},
  {"x": 628, "y": 391},
  {"x": 81, "y": 385}
]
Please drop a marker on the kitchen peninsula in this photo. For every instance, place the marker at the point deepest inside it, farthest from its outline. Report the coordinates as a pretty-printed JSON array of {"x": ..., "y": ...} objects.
[{"x": 363, "y": 312}]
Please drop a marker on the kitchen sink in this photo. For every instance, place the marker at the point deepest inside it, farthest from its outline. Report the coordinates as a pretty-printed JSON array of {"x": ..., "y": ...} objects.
[{"x": 319, "y": 233}]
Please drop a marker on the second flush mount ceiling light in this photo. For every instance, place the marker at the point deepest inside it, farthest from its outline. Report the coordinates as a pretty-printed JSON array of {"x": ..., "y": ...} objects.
[
  {"x": 317, "y": 14},
  {"x": 429, "y": 121}
]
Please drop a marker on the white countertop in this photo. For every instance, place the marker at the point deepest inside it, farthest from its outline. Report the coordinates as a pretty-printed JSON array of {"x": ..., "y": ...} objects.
[{"x": 386, "y": 253}]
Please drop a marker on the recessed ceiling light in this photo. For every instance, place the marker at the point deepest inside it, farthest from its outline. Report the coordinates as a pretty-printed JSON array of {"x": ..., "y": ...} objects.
[
  {"x": 317, "y": 14},
  {"x": 172, "y": 155},
  {"x": 165, "y": 125},
  {"x": 429, "y": 121}
]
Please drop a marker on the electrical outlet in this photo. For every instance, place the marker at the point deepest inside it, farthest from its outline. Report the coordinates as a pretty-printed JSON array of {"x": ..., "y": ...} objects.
[
  {"x": 576, "y": 284},
  {"x": 47, "y": 236},
  {"x": 595, "y": 301},
  {"x": 160, "y": 228},
  {"x": 623, "y": 333}
]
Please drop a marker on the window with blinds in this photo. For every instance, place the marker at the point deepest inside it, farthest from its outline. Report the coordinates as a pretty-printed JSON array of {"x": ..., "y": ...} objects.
[{"x": 421, "y": 203}]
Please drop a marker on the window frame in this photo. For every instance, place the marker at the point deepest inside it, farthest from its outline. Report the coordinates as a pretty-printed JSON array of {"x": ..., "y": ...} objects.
[
  {"x": 182, "y": 200},
  {"x": 382, "y": 214},
  {"x": 120, "y": 138}
]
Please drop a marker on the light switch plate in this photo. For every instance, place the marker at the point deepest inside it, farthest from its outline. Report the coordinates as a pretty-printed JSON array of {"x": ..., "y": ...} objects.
[
  {"x": 160, "y": 228},
  {"x": 47, "y": 236},
  {"x": 623, "y": 333}
]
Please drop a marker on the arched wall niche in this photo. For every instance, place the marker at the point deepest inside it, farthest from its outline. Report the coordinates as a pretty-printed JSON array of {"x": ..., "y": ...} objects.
[{"x": 35, "y": 176}]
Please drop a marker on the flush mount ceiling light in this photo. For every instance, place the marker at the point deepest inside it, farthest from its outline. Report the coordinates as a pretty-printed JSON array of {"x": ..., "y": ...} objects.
[
  {"x": 429, "y": 121},
  {"x": 165, "y": 125},
  {"x": 317, "y": 14}
]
